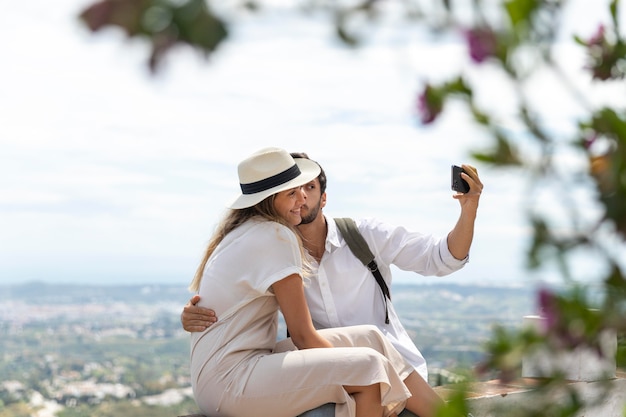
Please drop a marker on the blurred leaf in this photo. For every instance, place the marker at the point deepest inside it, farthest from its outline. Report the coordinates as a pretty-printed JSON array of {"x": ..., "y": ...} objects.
[
  {"x": 533, "y": 126},
  {"x": 621, "y": 352},
  {"x": 346, "y": 37},
  {"x": 613, "y": 11},
  {"x": 615, "y": 301},
  {"x": 540, "y": 239},
  {"x": 430, "y": 103},
  {"x": 616, "y": 283},
  {"x": 606, "y": 57},
  {"x": 502, "y": 154},
  {"x": 520, "y": 11},
  {"x": 506, "y": 348},
  {"x": 573, "y": 320},
  {"x": 252, "y": 6},
  {"x": 608, "y": 122},
  {"x": 484, "y": 157},
  {"x": 456, "y": 403},
  {"x": 457, "y": 86},
  {"x": 609, "y": 169},
  {"x": 126, "y": 14},
  {"x": 579, "y": 40},
  {"x": 197, "y": 26},
  {"x": 165, "y": 24},
  {"x": 479, "y": 116}
]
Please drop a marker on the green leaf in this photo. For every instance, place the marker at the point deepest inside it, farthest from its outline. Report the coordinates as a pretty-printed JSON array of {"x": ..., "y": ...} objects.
[
  {"x": 541, "y": 239},
  {"x": 580, "y": 40},
  {"x": 479, "y": 116},
  {"x": 456, "y": 403},
  {"x": 458, "y": 86},
  {"x": 198, "y": 26},
  {"x": 520, "y": 11},
  {"x": 484, "y": 157},
  {"x": 614, "y": 16},
  {"x": 345, "y": 37}
]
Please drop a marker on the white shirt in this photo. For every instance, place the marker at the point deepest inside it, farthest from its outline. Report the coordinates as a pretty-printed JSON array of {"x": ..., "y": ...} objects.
[
  {"x": 345, "y": 293},
  {"x": 246, "y": 263}
]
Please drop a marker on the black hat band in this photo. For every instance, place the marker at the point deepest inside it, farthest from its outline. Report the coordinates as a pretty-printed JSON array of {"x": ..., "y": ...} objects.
[{"x": 271, "y": 182}]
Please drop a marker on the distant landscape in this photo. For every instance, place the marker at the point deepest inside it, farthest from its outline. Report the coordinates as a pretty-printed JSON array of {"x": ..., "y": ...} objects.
[{"x": 116, "y": 351}]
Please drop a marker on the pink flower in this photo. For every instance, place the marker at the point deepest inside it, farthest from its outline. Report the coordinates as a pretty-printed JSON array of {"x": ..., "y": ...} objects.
[
  {"x": 482, "y": 43},
  {"x": 549, "y": 308},
  {"x": 598, "y": 39},
  {"x": 604, "y": 57},
  {"x": 589, "y": 140}
]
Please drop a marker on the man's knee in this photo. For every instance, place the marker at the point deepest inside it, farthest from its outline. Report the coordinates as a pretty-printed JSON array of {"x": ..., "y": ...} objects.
[{"x": 361, "y": 335}]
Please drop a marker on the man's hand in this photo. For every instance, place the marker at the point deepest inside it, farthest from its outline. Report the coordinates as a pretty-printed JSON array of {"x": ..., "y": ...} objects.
[
  {"x": 470, "y": 199},
  {"x": 196, "y": 319}
]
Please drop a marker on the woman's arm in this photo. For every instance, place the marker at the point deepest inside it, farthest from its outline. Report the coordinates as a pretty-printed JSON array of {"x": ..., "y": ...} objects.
[{"x": 290, "y": 295}]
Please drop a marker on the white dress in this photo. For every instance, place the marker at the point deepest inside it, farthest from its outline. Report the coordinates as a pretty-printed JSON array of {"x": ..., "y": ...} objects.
[{"x": 238, "y": 370}]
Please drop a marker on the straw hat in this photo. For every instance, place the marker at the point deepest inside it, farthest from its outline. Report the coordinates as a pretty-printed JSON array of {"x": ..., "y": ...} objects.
[{"x": 270, "y": 171}]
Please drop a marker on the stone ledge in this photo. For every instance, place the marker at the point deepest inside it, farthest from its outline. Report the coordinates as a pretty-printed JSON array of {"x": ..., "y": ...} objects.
[
  {"x": 486, "y": 397},
  {"x": 495, "y": 387}
]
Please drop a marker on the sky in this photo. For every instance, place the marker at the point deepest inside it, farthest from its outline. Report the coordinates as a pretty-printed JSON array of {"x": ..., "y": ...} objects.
[{"x": 109, "y": 175}]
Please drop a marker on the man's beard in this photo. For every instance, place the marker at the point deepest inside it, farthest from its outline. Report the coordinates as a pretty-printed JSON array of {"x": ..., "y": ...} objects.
[{"x": 312, "y": 214}]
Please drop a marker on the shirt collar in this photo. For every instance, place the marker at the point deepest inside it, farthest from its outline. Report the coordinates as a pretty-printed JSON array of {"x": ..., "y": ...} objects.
[{"x": 332, "y": 236}]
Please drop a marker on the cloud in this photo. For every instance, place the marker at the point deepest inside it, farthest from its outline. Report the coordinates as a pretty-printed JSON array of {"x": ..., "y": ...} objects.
[{"x": 109, "y": 171}]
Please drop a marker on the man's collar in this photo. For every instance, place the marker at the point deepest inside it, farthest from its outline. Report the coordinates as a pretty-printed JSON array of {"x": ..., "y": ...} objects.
[{"x": 332, "y": 235}]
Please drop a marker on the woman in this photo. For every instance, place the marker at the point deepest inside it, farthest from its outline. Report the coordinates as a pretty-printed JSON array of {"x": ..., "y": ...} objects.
[{"x": 252, "y": 267}]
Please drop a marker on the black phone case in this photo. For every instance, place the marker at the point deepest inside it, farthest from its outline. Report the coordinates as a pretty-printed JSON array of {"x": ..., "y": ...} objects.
[{"x": 458, "y": 183}]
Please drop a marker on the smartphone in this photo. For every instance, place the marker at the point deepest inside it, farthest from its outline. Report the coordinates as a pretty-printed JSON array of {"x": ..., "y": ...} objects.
[{"x": 458, "y": 183}]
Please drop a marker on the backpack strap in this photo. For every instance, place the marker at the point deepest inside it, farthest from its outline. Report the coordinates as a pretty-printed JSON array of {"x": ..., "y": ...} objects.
[{"x": 361, "y": 250}]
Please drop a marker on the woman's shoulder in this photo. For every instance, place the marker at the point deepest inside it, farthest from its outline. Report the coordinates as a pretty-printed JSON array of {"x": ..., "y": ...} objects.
[{"x": 268, "y": 229}]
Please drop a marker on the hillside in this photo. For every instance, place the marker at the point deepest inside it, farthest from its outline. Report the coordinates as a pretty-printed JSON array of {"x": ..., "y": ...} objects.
[{"x": 120, "y": 350}]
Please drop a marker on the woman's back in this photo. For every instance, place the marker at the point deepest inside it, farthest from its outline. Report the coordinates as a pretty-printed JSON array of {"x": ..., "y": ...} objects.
[
  {"x": 237, "y": 284},
  {"x": 246, "y": 263}
]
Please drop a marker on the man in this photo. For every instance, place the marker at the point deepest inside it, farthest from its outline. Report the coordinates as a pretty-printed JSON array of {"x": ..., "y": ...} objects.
[{"x": 344, "y": 292}]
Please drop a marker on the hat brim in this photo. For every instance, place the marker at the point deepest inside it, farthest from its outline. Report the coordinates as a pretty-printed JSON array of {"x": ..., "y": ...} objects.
[{"x": 309, "y": 170}]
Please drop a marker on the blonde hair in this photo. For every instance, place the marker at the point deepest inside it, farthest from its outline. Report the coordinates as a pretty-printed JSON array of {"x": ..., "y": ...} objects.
[{"x": 235, "y": 218}]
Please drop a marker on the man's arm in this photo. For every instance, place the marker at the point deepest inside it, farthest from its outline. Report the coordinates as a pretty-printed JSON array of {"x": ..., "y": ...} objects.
[
  {"x": 461, "y": 236},
  {"x": 196, "y": 319}
]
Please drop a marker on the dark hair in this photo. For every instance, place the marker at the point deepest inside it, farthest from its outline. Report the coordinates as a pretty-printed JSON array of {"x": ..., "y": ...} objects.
[{"x": 321, "y": 177}]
